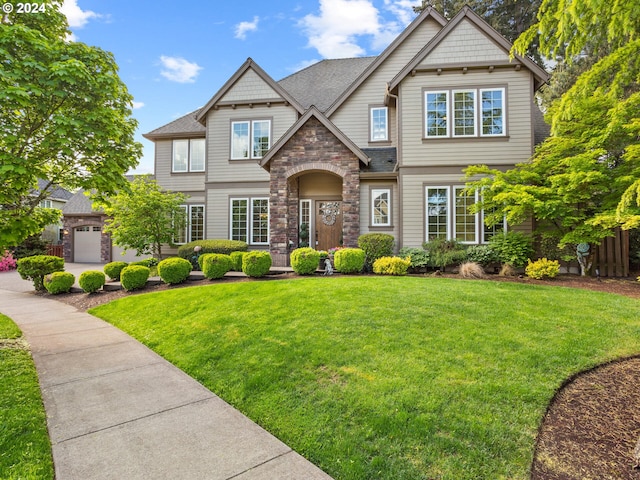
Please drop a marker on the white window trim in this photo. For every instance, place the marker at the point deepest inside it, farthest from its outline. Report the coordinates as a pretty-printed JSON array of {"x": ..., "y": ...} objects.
[
  {"x": 447, "y": 117},
  {"x": 376, "y": 192},
  {"x": 452, "y": 109},
  {"x": 188, "y": 165},
  {"x": 238, "y": 199},
  {"x": 504, "y": 111},
  {"x": 188, "y": 212},
  {"x": 456, "y": 190},
  {"x": 485, "y": 240},
  {"x": 426, "y": 210},
  {"x": 386, "y": 125},
  {"x": 204, "y": 160},
  {"x": 250, "y": 220},
  {"x": 251, "y": 123}
]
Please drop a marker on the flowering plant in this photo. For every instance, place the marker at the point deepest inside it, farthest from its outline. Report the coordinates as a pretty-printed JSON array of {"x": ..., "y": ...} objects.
[
  {"x": 7, "y": 262},
  {"x": 333, "y": 250}
]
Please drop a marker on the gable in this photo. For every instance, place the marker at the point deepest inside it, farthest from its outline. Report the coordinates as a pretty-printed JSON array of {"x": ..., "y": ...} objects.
[
  {"x": 250, "y": 86},
  {"x": 466, "y": 44}
]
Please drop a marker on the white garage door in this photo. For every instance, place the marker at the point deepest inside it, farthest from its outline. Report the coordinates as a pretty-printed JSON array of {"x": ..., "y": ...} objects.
[{"x": 87, "y": 245}]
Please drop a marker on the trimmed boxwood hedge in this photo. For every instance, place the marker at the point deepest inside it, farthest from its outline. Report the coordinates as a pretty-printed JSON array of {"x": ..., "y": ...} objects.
[
  {"x": 256, "y": 263},
  {"x": 134, "y": 277},
  {"x": 349, "y": 260},
  {"x": 304, "y": 261},
  {"x": 37, "y": 266},
  {"x": 113, "y": 270},
  {"x": 59, "y": 282},
  {"x": 91, "y": 280},
  {"x": 174, "y": 270},
  {"x": 236, "y": 260},
  {"x": 212, "y": 246},
  {"x": 215, "y": 265}
]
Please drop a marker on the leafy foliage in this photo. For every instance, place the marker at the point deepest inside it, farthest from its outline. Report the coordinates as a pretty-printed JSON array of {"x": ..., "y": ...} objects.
[
  {"x": 418, "y": 257},
  {"x": 256, "y": 263},
  {"x": 174, "y": 270},
  {"x": 35, "y": 268},
  {"x": 236, "y": 260},
  {"x": 30, "y": 246},
  {"x": 513, "y": 248},
  {"x": 91, "y": 280},
  {"x": 349, "y": 260},
  {"x": 65, "y": 116},
  {"x": 134, "y": 277},
  {"x": 542, "y": 268},
  {"x": 113, "y": 270},
  {"x": 222, "y": 246},
  {"x": 391, "y": 266},
  {"x": 59, "y": 282},
  {"x": 443, "y": 253},
  {"x": 215, "y": 265},
  {"x": 7, "y": 262},
  {"x": 304, "y": 261},
  {"x": 483, "y": 254},
  {"x": 375, "y": 245}
]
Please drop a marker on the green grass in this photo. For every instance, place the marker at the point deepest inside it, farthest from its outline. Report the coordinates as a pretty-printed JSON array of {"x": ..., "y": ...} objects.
[
  {"x": 25, "y": 450},
  {"x": 388, "y": 378}
]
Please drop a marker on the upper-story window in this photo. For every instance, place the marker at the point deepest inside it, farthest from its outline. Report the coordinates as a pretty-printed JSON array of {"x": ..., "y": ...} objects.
[
  {"x": 465, "y": 113},
  {"x": 379, "y": 124},
  {"x": 250, "y": 139},
  {"x": 188, "y": 155}
]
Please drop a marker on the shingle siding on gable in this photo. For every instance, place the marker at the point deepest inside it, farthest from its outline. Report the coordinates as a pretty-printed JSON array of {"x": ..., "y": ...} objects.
[
  {"x": 249, "y": 87},
  {"x": 465, "y": 44}
]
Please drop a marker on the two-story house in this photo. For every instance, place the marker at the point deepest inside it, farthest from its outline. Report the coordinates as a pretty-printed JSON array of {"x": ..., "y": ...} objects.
[{"x": 350, "y": 146}]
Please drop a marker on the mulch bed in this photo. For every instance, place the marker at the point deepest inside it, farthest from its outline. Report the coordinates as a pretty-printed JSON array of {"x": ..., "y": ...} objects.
[{"x": 592, "y": 425}]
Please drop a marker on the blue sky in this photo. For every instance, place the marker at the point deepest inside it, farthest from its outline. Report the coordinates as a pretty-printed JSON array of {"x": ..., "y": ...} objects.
[{"x": 175, "y": 55}]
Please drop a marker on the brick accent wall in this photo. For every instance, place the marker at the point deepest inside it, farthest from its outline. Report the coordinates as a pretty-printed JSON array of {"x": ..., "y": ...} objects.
[
  {"x": 313, "y": 148},
  {"x": 71, "y": 222}
]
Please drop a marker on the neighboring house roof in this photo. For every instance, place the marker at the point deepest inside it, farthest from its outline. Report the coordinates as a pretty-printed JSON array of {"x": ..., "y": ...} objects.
[
  {"x": 55, "y": 193},
  {"x": 541, "y": 76},
  {"x": 185, "y": 126},
  {"x": 322, "y": 83},
  {"x": 79, "y": 204},
  {"x": 249, "y": 64},
  {"x": 313, "y": 112}
]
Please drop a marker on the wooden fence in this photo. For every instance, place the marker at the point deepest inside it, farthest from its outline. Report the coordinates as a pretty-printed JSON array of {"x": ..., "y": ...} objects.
[
  {"x": 55, "y": 250},
  {"x": 611, "y": 257}
]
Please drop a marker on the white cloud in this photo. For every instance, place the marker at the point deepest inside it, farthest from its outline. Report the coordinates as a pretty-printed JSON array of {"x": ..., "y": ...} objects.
[
  {"x": 75, "y": 15},
  {"x": 179, "y": 70},
  {"x": 303, "y": 64},
  {"x": 243, "y": 27},
  {"x": 136, "y": 105},
  {"x": 403, "y": 9}
]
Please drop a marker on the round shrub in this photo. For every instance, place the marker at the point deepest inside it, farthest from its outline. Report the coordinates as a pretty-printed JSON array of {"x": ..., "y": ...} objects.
[
  {"x": 376, "y": 245},
  {"x": 147, "y": 262},
  {"x": 482, "y": 254},
  {"x": 542, "y": 268},
  {"x": 59, "y": 282},
  {"x": 391, "y": 266},
  {"x": 514, "y": 248},
  {"x": 91, "y": 280},
  {"x": 113, "y": 270},
  {"x": 236, "y": 260},
  {"x": 256, "y": 263},
  {"x": 304, "y": 261},
  {"x": 349, "y": 260},
  {"x": 174, "y": 270},
  {"x": 215, "y": 265},
  {"x": 36, "y": 267},
  {"x": 134, "y": 277},
  {"x": 418, "y": 257}
]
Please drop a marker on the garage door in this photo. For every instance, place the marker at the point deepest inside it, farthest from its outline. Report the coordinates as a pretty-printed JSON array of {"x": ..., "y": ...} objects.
[{"x": 87, "y": 245}]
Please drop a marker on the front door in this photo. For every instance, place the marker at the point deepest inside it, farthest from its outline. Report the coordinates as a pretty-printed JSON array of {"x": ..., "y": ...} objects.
[{"x": 328, "y": 224}]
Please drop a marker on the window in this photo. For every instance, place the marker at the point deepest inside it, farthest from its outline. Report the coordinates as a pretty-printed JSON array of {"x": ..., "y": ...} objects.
[
  {"x": 46, "y": 204},
  {"x": 490, "y": 231},
  {"x": 193, "y": 228},
  {"x": 250, "y": 139},
  {"x": 188, "y": 155},
  {"x": 249, "y": 220},
  {"x": 437, "y": 212},
  {"x": 379, "y": 129},
  {"x": 436, "y": 114},
  {"x": 466, "y": 113},
  {"x": 381, "y": 207},
  {"x": 465, "y": 221}
]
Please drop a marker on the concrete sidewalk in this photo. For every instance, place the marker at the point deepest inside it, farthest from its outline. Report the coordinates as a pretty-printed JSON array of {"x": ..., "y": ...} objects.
[{"x": 117, "y": 410}]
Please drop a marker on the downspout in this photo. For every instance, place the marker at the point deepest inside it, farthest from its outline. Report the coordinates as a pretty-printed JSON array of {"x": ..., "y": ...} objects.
[{"x": 397, "y": 99}]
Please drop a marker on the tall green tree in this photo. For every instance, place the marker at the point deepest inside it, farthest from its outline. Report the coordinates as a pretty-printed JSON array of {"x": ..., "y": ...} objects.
[
  {"x": 65, "y": 116},
  {"x": 144, "y": 217}
]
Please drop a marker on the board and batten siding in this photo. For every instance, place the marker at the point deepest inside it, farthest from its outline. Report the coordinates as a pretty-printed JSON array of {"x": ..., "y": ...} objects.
[
  {"x": 516, "y": 147},
  {"x": 177, "y": 182},
  {"x": 220, "y": 167},
  {"x": 249, "y": 87},
  {"x": 219, "y": 204},
  {"x": 352, "y": 117}
]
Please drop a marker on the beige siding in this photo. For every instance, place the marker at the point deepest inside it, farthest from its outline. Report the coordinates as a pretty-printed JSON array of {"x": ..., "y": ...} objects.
[
  {"x": 249, "y": 87},
  {"x": 218, "y": 208},
  {"x": 177, "y": 182},
  {"x": 220, "y": 168},
  {"x": 365, "y": 208},
  {"x": 353, "y": 116},
  {"x": 465, "y": 44},
  {"x": 514, "y": 148}
]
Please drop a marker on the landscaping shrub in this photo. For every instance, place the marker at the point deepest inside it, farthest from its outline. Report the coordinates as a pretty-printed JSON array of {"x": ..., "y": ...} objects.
[
  {"x": 542, "y": 268},
  {"x": 443, "y": 253},
  {"x": 391, "y": 266},
  {"x": 174, "y": 270},
  {"x": 31, "y": 246},
  {"x": 91, "y": 280},
  {"x": 485, "y": 255},
  {"x": 113, "y": 270},
  {"x": 212, "y": 246},
  {"x": 7, "y": 262},
  {"x": 59, "y": 282},
  {"x": 147, "y": 262},
  {"x": 256, "y": 263},
  {"x": 134, "y": 277},
  {"x": 36, "y": 267},
  {"x": 236, "y": 260},
  {"x": 514, "y": 248},
  {"x": 471, "y": 270},
  {"x": 418, "y": 257},
  {"x": 304, "y": 261},
  {"x": 349, "y": 260},
  {"x": 215, "y": 265},
  {"x": 507, "y": 271},
  {"x": 375, "y": 245}
]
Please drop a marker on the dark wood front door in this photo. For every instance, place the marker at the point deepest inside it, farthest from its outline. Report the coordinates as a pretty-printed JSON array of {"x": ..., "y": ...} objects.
[{"x": 328, "y": 224}]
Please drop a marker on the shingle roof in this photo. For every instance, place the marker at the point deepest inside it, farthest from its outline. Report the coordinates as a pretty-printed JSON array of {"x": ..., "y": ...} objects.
[
  {"x": 55, "y": 193},
  {"x": 381, "y": 160},
  {"x": 322, "y": 83},
  {"x": 186, "y": 125},
  {"x": 79, "y": 204}
]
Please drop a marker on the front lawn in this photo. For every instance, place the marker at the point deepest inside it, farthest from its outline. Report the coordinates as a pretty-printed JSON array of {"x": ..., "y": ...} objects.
[
  {"x": 385, "y": 377},
  {"x": 25, "y": 450}
]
